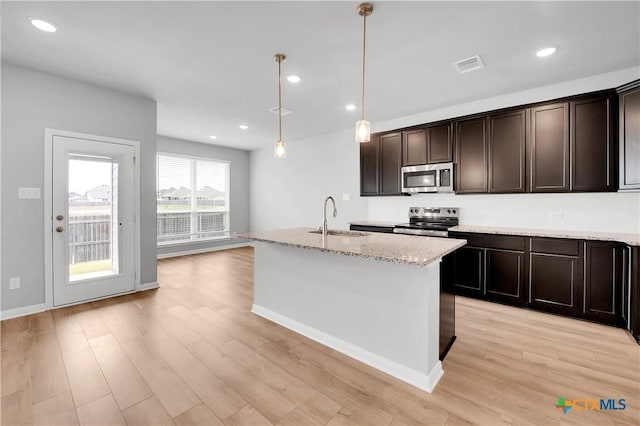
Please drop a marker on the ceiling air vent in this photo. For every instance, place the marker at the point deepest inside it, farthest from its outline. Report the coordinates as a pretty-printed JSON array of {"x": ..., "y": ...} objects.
[
  {"x": 284, "y": 111},
  {"x": 470, "y": 64}
]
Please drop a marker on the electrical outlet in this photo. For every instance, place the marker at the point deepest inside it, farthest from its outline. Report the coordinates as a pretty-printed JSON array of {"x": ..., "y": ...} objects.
[{"x": 14, "y": 283}]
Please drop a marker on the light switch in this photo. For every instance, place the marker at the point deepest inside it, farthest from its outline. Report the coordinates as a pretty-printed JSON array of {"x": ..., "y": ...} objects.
[
  {"x": 346, "y": 197},
  {"x": 29, "y": 193}
]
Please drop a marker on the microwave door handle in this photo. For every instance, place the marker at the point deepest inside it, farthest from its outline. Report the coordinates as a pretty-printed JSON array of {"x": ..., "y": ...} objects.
[{"x": 437, "y": 179}]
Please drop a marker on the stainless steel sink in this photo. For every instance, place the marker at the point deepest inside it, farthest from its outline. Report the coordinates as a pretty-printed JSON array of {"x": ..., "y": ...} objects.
[{"x": 341, "y": 233}]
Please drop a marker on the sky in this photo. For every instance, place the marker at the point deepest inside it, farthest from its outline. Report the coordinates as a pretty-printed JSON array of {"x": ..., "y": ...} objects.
[{"x": 85, "y": 175}]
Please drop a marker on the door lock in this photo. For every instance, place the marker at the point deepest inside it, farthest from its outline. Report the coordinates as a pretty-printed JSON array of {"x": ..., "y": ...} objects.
[
  {"x": 59, "y": 217},
  {"x": 59, "y": 229}
]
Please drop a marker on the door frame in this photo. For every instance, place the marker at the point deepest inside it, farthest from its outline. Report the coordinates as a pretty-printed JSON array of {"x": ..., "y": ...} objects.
[{"x": 49, "y": 134}]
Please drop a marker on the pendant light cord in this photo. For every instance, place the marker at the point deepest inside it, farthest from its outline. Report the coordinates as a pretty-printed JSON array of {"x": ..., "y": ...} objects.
[
  {"x": 280, "y": 101},
  {"x": 364, "y": 49}
]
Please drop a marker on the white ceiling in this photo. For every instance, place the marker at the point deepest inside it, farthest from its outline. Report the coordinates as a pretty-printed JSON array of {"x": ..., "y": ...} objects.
[{"x": 210, "y": 65}]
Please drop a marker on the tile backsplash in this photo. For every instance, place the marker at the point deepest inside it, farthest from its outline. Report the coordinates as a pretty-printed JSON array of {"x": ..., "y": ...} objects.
[{"x": 606, "y": 212}]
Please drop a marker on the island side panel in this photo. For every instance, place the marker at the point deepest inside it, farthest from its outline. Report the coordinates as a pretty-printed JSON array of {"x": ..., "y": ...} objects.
[{"x": 382, "y": 313}]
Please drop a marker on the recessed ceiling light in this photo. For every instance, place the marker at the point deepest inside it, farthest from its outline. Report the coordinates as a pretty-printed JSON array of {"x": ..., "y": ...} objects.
[
  {"x": 42, "y": 25},
  {"x": 293, "y": 79},
  {"x": 213, "y": 137},
  {"x": 243, "y": 126},
  {"x": 350, "y": 107},
  {"x": 547, "y": 51}
]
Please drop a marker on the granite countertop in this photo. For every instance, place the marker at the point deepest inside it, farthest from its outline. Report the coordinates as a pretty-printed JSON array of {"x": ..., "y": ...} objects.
[
  {"x": 403, "y": 249},
  {"x": 375, "y": 223},
  {"x": 631, "y": 239}
]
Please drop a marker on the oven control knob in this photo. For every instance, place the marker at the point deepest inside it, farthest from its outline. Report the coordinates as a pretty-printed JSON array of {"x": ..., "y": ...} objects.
[
  {"x": 448, "y": 211},
  {"x": 454, "y": 212}
]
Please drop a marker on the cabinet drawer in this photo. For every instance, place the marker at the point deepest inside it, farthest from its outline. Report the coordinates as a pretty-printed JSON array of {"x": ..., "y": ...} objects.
[
  {"x": 555, "y": 246},
  {"x": 503, "y": 242}
]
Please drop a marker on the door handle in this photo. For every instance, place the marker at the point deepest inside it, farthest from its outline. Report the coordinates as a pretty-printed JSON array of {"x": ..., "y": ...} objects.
[
  {"x": 59, "y": 229},
  {"x": 59, "y": 217}
]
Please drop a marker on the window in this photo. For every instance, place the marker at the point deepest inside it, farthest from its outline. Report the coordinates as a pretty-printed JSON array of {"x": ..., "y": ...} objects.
[{"x": 193, "y": 199}]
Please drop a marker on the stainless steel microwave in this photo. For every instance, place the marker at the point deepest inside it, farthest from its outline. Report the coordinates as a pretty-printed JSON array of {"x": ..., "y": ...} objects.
[{"x": 427, "y": 178}]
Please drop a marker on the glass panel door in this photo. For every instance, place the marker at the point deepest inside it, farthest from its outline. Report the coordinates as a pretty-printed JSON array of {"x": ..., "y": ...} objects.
[
  {"x": 93, "y": 217},
  {"x": 93, "y": 220}
]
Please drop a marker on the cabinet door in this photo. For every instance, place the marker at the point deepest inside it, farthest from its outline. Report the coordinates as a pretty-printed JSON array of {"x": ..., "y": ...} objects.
[
  {"x": 630, "y": 138},
  {"x": 471, "y": 156},
  {"x": 414, "y": 150},
  {"x": 556, "y": 283},
  {"x": 634, "y": 293},
  {"x": 603, "y": 282},
  {"x": 469, "y": 271},
  {"x": 440, "y": 144},
  {"x": 504, "y": 277},
  {"x": 549, "y": 159},
  {"x": 507, "y": 146},
  {"x": 592, "y": 145},
  {"x": 390, "y": 164},
  {"x": 369, "y": 158}
]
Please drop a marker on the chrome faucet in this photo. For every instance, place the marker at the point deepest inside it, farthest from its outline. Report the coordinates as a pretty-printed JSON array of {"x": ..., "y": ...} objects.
[{"x": 324, "y": 214}]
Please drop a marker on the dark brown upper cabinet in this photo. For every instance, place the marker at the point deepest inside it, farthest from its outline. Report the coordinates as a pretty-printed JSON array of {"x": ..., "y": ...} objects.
[
  {"x": 428, "y": 146},
  {"x": 549, "y": 157},
  {"x": 380, "y": 165},
  {"x": 507, "y": 146},
  {"x": 369, "y": 167},
  {"x": 440, "y": 143},
  {"x": 593, "y": 145},
  {"x": 414, "y": 150},
  {"x": 629, "y": 110},
  {"x": 471, "y": 156},
  {"x": 390, "y": 164}
]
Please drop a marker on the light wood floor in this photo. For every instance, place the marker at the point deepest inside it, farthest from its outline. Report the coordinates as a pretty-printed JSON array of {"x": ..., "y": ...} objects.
[{"x": 192, "y": 353}]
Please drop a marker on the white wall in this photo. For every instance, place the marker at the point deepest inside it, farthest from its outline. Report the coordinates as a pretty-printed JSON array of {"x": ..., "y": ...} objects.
[
  {"x": 31, "y": 102},
  {"x": 289, "y": 193},
  {"x": 238, "y": 191}
]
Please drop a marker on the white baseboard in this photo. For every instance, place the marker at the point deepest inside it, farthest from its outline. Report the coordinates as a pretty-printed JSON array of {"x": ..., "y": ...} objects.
[
  {"x": 421, "y": 381},
  {"x": 41, "y": 307},
  {"x": 203, "y": 250},
  {"x": 147, "y": 286},
  {"x": 20, "y": 312}
]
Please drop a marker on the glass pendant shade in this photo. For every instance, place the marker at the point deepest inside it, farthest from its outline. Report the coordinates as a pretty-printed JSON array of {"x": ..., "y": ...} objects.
[
  {"x": 363, "y": 131},
  {"x": 279, "y": 150}
]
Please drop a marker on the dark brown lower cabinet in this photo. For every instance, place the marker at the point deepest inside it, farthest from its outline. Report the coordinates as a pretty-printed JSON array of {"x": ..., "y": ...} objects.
[
  {"x": 556, "y": 283},
  {"x": 468, "y": 276},
  {"x": 447, "y": 306},
  {"x": 583, "y": 279},
  {"x": 634, "y": 292},
  {"x": 603, "y": 281},
  {"x": 505, "y": 276}
]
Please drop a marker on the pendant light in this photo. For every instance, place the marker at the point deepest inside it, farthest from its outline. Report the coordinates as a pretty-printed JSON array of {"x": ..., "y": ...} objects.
[
  {"x": 363, "y": 127},
  {"x": 279, "y": 150}
]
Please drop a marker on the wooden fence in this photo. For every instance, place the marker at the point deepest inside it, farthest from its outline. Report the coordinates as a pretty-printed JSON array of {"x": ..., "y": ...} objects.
[
  {"x": 89, "y": 238},
  {"x": 90, "y": 235}
]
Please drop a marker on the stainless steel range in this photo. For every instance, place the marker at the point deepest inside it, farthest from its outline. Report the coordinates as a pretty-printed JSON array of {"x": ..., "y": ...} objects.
[{"x": 429, "y": 221}]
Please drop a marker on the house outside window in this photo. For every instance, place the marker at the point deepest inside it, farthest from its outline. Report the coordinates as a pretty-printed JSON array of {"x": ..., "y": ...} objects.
[{"x": 192, "y": 199}]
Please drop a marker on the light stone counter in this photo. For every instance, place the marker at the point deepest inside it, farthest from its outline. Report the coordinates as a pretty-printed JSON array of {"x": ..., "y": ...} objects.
[
  {"x": 631, "y": 239},
  {"x": 403, "y": 249}
]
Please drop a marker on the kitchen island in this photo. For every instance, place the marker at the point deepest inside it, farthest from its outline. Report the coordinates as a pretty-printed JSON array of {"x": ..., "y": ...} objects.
[{"x": 374, "y": 297}]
